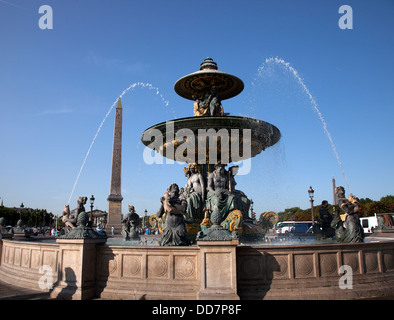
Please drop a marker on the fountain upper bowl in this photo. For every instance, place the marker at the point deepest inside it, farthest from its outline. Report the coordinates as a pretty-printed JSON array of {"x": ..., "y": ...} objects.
[{"x": 241, "y": 137}]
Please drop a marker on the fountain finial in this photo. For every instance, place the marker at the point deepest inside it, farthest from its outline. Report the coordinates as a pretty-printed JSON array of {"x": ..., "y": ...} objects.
[{"x": 208, "y": 63}]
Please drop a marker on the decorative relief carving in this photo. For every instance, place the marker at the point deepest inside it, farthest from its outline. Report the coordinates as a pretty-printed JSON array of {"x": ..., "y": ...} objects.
[
  {"x": 157, "y": 267},
  {"x": 388, "y": 260},
  {"x": 108, "y": 265},
  {"x": 371, "y": 262},
  {"x": 35, "y": 259},
  {"x": 277, "y": 267},
  {"x": 11, "y": 255},
  {"x": 17, "y": 256},
  {"x": 6, "y": 254},
  {"x": 49, "y": 259},
  {"x": 303, "y": 264},
  {"x": 351, "y": 259},
  {"x": 328, "y": 264},
  {"x": 25, "y": 258},
  {"x": 185, "y": 267},
  {"x": 112, "y": 265},
  {"x": 131, "y": 266}
]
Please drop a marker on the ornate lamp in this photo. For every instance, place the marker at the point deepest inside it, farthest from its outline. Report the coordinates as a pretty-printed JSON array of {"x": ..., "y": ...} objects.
[
  {"x": 91, "y": 208},
  {"x": 311, "y": 193}
]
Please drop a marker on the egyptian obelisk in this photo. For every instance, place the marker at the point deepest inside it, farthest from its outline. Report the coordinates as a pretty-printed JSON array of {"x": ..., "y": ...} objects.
[{"x": 115, "y": 197}]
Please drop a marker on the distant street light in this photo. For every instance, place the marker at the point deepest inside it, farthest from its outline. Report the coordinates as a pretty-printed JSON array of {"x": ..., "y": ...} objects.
[
  {"x": 311, "y": 193},
  {"x": 91, "y": 209}
]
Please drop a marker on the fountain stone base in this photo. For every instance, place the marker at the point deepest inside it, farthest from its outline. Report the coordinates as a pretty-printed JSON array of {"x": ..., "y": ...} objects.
[{"x": 218, "y": 283}]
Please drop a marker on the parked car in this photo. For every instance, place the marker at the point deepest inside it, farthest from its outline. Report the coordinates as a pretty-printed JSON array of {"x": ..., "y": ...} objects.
[{"x": 301, "y": 227}]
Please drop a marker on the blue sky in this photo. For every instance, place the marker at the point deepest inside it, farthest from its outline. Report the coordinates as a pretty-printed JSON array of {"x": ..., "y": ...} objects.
[{"x": 56, "y": 86}]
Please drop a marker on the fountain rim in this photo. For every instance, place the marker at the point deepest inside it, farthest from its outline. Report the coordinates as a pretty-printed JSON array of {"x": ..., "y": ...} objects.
[
  {"x": 182, "y": 91},
  {"x": 309, "y": 245},
  {"x": 212, "y": 118},
  {"x": 263, "y": 134}
]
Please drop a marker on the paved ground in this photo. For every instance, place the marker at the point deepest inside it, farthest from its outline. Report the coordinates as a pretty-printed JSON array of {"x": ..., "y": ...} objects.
[{"x": 10, "y": 292}]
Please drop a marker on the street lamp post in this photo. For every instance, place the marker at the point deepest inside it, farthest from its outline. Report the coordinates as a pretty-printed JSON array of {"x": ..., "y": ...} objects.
[
  {"x": 91, "y": 209},
  {"x": 311, "y": 192}
]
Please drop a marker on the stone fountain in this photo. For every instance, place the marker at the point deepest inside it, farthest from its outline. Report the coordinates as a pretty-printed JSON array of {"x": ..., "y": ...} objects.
[{"x": 207, "y": 142}]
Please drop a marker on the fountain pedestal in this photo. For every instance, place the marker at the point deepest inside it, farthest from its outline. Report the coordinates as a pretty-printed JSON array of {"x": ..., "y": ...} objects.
[
  {"x": 218, "y": 270},
  {"x": 77, "y": 270}
]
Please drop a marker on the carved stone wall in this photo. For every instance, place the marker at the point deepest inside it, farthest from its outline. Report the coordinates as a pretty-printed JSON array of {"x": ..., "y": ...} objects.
[
  {"x": 313, "y": 272},
  {"x": 147, "y": 272},
  {"x": 21, "y": 262},
  {"x": 83, "y": 269}
]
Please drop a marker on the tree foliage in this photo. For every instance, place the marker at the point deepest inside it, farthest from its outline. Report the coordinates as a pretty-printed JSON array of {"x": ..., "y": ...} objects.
[
  {"x": 31, "y": 217},
  {"x": 368, "y": 208}
]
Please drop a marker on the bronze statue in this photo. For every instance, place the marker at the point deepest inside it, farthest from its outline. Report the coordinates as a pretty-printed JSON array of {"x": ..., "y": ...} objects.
[
  {"x": 208, "y": 104},
  {"x": 199, "y": 108},
  {"x": 70, "y": 219},
  {"x": 194, "y": 193},
  {"x": 77, "y": 223},
  {"x": 129, "y": 225},
  {"x": 349, "y": 230},
  {"x": 322, "y": 228},
  {"x": 242, "y": 202},
  {"x": 174, "y": 232},
  {"x": 215, "y": 106},
  {"x": 219, "y": 196}
]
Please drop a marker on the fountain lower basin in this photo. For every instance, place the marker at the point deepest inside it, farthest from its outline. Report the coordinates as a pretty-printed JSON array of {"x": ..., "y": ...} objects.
[{"x": 112, "y": 270}]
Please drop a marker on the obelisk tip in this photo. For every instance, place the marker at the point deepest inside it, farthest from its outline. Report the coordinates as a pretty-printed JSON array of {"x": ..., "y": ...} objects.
[{"x": 119, "y": 105}]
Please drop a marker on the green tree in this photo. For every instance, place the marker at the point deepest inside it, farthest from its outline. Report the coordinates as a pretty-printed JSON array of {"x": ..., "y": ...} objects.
[
  {"x": 9, "y": 214},
  {"x": 285, "y": 215},
  {"x": 31, "y": 217},
  {"x": 387, "y": 203}
]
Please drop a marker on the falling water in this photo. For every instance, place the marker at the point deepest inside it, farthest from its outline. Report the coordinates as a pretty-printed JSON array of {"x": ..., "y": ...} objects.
[
  {"x": 132, "y": 86},
  {"x": 313, "y": 102}
]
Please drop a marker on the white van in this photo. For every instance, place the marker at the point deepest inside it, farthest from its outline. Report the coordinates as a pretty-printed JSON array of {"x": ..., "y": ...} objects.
[
  {"x": 284, "y": 226},
  {"x": 293, "y": 226},
  {"x": 368, "y": 223}
]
